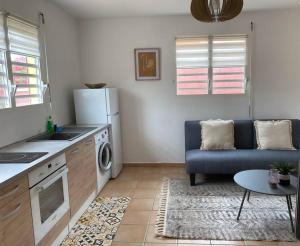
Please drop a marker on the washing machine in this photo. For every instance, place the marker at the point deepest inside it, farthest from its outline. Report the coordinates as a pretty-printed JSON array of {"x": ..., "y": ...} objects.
[{"x": 104, "y": 158}]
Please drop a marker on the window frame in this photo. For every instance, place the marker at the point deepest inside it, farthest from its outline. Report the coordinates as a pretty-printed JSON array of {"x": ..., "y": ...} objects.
[
  {"x": 7, "y": 85},
  {"x": 210, "y": 38},
  {"x": 42, "y": 76},
  {"x": 5, "y": 75}
]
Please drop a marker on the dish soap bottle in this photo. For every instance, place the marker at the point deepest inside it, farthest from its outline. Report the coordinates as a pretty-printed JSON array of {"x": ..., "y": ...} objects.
[{"x": 50, "y": 127}]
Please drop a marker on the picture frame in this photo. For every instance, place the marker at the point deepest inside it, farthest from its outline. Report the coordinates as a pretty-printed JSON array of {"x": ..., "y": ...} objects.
[{"x": 147, "y": 64}]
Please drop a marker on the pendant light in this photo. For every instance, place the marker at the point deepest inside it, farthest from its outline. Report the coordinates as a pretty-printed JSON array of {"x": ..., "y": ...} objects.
[{"x": 216, "y": 10}]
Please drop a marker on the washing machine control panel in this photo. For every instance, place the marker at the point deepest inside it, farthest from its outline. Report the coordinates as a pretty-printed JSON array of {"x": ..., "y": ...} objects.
[{"x": 102, "y": 136}]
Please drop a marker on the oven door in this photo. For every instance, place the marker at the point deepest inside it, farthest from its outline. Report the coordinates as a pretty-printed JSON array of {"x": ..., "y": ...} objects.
[{"x": 49, "y": 202}]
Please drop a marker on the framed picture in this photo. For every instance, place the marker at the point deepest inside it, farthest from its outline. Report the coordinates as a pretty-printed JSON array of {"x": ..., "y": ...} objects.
[{"x": 147, "y": 64}]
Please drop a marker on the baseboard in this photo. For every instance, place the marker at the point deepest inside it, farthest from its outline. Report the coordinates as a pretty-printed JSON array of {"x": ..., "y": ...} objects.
[
  {"x": 146, "y": 164},
  {"x": 83, "y": 208}
]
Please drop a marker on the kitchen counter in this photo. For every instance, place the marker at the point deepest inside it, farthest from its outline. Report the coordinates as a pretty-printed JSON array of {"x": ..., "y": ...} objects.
[{"x": 53, "y": 147}]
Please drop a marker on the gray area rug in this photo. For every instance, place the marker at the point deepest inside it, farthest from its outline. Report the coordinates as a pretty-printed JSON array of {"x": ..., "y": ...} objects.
[{"x": 209, "y": 212}]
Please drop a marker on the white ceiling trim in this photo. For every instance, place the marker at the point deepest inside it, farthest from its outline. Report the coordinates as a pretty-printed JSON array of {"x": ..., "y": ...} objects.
[{"x": 89, "y": 9}]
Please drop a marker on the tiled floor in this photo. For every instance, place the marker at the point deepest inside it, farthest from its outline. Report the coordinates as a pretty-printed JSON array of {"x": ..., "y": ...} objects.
[{"x": 142, "y": 184}]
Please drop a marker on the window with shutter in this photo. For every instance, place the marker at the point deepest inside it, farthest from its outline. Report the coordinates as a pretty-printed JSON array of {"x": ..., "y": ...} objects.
[
  {"x": 24, "y": 53},
  {"x": 192, "y": 63},
  {"x": 229, "y": 61},
  {"x": 5, "y": 100},
  {"x": 211, "y": 64}
]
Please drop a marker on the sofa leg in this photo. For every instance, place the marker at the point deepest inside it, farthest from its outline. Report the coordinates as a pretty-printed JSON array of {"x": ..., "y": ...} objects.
[{"x": 193, "y": 179}]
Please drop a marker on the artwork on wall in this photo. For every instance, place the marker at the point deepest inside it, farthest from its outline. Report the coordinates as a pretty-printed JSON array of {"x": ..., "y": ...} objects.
[{"x": 147, "y": 64}]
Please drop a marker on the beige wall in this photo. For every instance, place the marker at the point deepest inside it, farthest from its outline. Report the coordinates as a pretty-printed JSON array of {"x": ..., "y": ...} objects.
[
  {"x": 152, "y": 115},
  {"x": 63, "y": 60}
]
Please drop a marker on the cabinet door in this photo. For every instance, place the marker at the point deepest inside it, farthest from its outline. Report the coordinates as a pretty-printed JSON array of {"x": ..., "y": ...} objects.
[
  {"x": 16, "y": 226},
  {"x": 81, "y": 162},
  {"x": 75, "y": 159},
  {"x": 90, "y": 165},
  {"x": 13, "y": 189}
]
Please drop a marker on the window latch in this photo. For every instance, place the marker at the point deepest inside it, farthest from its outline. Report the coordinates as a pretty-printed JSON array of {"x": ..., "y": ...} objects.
[
  {"x": 44, "y": 88},
  {"x": 12, "y": 89},
  {"x": 247, "y": 83},
  {"x": 210, "y": 86}
]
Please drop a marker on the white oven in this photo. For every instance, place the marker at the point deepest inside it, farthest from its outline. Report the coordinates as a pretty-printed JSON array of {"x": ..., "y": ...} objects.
[{"x": 49, "y": 195}]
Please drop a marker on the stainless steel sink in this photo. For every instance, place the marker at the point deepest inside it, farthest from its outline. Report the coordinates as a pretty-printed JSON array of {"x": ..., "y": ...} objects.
[
  {"x": 69, "y": 136},
  {"x": 84, "y": 129}
]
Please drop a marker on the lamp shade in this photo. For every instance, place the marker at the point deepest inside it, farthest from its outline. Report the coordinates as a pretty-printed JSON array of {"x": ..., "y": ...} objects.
[{"x": 216, "y": 10}]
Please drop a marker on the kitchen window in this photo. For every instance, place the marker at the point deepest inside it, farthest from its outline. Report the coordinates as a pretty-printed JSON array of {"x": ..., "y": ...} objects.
[
  {"x": 20, "y": 56},
  {"x": 212, "y": 65}
]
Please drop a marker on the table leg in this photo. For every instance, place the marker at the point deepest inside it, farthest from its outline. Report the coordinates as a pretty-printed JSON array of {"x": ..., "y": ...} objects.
[
  {"x": 290, "y": 213},
  {"x": 241, "y": 207},
  {"x": 248, "y": 195},
  {"x": 291, "y": 204}
]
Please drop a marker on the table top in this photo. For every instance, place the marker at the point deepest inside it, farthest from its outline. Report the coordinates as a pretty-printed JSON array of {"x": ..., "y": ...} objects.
[{"x": 258, "y": 181}]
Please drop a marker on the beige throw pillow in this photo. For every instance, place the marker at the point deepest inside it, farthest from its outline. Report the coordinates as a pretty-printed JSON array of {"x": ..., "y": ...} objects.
[
  {"x": 217, "y": 135},
  {"x": 274, "y": 135}
]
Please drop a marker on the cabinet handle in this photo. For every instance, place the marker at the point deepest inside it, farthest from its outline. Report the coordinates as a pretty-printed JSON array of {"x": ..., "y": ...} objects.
[
  {"x": 74, "y": 151},
  {"x": 10, "y": 193},
  {"x": 12, "y": 213}
]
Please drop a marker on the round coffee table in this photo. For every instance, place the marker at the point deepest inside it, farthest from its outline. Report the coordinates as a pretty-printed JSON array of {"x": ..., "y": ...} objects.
[{"x": 257, "y": 181}]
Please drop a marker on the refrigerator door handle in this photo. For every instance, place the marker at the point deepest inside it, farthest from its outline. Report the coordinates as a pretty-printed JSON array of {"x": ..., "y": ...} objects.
[{"x": 115, "y": 114}]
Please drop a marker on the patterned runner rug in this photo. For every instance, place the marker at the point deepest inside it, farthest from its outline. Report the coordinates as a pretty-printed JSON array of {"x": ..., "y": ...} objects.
[
  {"x": 209, "y": 212},
  {"x": 99, "y": 224}
]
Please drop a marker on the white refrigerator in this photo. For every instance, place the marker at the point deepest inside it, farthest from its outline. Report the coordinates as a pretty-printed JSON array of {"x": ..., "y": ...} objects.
[{"x": 101, "y": 106}]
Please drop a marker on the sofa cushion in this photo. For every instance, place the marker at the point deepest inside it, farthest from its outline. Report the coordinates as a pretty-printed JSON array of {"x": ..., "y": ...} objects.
[
  {"x": 217, "y": 135},
  {"x": 233, "y": 161},
  {"x": 243, "y": 134},
  {"x": 192, "y": 135},
  {"x": 296, "y": 133}
]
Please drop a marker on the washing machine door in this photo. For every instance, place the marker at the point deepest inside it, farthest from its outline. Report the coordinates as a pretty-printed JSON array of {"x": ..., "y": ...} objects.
[{"x": 105, "y": 157}]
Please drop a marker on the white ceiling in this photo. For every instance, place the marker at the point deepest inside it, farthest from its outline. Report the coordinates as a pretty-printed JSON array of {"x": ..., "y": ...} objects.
[{"x": 126, "y": 8}]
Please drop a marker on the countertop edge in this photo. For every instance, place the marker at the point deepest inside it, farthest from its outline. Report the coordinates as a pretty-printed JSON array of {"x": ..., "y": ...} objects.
[{"x": 63, "y": 150}]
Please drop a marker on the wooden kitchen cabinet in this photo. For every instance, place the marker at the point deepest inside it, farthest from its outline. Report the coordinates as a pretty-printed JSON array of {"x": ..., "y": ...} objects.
[
  {"x": 82, "y": 178},
  {"x": 90, "y": 164},
  {"x": 13, "y": 189},
  {"x": 16, "y": 226}
]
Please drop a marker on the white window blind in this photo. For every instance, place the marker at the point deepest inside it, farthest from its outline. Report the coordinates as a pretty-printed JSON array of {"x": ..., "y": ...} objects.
[
  {"x": 211, "y": 64},
  {"x": 229, "y": 62},
  {"x": 25, "y": 61},
  {"x": 5, "y": 100},
  {"x": 192, "y": 62}
]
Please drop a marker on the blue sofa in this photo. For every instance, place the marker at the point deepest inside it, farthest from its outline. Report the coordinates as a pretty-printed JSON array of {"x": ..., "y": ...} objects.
[{"x": 245, "y": 157}]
